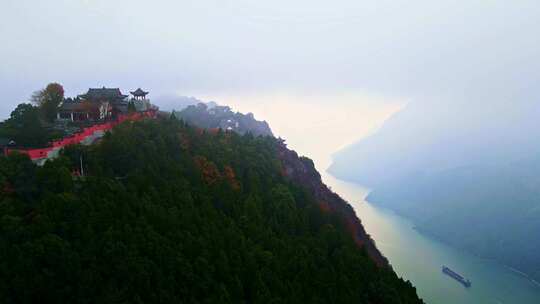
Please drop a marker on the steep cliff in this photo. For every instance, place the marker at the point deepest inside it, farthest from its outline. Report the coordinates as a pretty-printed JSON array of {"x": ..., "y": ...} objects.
[{"x": 301, "y": 170}]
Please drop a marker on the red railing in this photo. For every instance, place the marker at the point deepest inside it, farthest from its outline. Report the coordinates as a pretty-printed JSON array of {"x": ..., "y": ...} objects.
[{"x": 81, "y": 136}]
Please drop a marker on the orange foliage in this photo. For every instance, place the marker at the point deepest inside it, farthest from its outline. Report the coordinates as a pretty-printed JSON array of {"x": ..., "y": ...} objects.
[
  {"x": 210, "y": 172},
  {"x": 231, "y": 178},
  {"x": 55, "y": 90}
]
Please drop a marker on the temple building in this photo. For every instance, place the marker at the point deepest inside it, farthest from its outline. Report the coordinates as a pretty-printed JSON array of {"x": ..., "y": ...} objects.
[{"x": 100, "y": 104}]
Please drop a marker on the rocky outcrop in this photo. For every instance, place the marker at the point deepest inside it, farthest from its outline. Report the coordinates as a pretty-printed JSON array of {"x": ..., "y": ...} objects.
[
  {"x": 301, "y": 170},
  {"x": 213, "y": 116}
]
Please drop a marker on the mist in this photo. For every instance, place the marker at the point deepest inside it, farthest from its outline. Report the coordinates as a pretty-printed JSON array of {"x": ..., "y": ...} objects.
[
  {"x": 464, "y": 73},
  {"x": 421, "y": 50},
  {"x": 432, "y": 105}
]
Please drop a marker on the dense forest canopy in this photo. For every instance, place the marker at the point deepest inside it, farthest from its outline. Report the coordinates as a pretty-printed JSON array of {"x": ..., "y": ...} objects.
[{"x": 167, "y": 213}]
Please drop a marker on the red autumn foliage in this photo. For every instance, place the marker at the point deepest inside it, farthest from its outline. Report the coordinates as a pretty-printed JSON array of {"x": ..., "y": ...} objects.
[
  {"x": 213, "y": 131},
  {"x": 324, "y": 207},
  {"x": 8, "y": 189},
  {"x": 351, "y": 227}
]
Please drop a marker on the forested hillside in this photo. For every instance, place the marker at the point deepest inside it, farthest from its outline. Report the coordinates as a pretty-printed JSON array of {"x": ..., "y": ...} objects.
[{"x": 167, "y": 213}]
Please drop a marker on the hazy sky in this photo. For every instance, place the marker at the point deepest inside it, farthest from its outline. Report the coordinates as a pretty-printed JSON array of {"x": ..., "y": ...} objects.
[
  {"x": 342, "y": 51},
  {"x": 203, "y": 46},
  {"x": 314, "y": 125}
]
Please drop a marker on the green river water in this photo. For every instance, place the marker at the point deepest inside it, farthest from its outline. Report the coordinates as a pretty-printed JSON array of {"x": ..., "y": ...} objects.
[{"x": 419, "y": 258}]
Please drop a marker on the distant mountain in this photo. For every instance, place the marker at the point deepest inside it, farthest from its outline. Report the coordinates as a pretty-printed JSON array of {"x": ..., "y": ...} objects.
[
  {"x": 171, "y": 103},
  {"x": 493, "y": 212},
  {"x": 212, "y": 116},
  {"x": 466, "y": 173}
]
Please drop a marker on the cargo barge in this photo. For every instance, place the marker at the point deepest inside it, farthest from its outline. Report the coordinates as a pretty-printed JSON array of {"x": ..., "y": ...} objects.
[{"x": 456, "y": 276}]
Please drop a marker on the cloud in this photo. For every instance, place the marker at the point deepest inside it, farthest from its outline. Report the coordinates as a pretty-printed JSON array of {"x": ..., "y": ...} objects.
[{"x": 415, "y": 50}]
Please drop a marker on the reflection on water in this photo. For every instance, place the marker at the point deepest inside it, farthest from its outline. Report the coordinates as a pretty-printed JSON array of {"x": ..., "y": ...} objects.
[{"x": 418, "y": 258}]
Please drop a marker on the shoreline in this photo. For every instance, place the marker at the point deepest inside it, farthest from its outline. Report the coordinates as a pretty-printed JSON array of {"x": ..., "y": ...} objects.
[
  {"x": 421, "y": 232},
  {"x": 463, "y": 250}
]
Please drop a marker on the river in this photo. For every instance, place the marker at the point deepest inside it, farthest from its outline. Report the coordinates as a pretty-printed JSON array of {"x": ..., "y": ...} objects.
[
  {"x": 418, "y": 258},
  {"x": 323, "y": 128}
]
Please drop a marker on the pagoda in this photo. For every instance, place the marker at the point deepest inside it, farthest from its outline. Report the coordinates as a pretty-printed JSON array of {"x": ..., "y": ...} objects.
[
  {"x": 139, "y": 94},
  {"x": 139, "y": 100}
]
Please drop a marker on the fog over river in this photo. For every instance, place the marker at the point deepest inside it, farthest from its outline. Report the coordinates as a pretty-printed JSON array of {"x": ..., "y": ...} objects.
[
  {"x": 418, "y": 258},
  {"x": 414, "y": 256}
]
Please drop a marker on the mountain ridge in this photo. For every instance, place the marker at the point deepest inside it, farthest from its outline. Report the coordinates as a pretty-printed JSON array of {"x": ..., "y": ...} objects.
[{"x": 166, "y": 212}]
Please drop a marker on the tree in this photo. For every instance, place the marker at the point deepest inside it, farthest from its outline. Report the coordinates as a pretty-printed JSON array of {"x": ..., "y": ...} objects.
[
  {"x": 48, "y": 100},
  {"x": 24, "y": 125}
]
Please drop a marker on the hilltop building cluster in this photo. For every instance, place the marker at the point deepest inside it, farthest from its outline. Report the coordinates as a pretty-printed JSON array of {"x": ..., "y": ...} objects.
[
  {"x": 86, "y": 118},
  {"x": 99, "y": 104}
]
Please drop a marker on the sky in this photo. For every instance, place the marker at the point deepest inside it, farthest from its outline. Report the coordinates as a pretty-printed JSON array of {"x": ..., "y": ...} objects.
[
  {"x": 360, "y": 60},
  {"x": 313, "y": 125}
]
